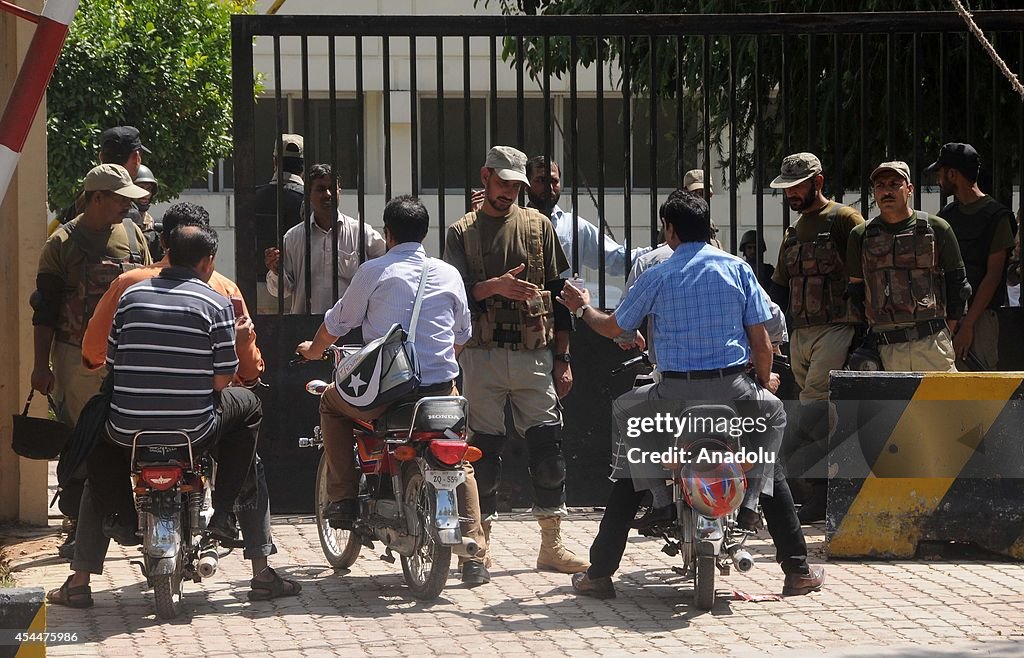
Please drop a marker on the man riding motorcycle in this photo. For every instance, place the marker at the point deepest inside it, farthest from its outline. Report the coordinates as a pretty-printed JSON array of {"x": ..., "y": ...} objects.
[{"x": 709, "y": 324}]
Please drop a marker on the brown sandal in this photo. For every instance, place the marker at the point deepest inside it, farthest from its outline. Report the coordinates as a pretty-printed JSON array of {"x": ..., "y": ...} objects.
[
  {"x": 72, "y": 597},
  {"x": 264, "y": 590}
]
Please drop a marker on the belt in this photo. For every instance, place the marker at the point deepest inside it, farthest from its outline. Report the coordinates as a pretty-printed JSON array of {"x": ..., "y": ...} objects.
[
  {"x": 908, "y": 334},
  {"x": 705, "y": 374},
  {"x": 443, "y": 387}
]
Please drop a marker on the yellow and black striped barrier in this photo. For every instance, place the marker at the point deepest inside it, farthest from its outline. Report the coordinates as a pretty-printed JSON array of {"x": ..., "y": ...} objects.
[
  {"x": 22, "y": 622},
  {"x": 925, "y": 457}
]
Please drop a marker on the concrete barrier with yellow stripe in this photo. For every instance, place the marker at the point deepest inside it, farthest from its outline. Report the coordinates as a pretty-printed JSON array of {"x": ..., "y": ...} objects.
[
  {"x": 926, "y": 457},
  {"x": 22, "y": 609}
]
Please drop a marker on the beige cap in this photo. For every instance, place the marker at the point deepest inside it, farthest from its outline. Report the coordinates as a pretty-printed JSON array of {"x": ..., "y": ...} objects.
[
  {"x": 509, "y": 163},
  {"x": 796, "y": 169},
  {"x": 694, "y": 180},
  {"x": 113, "y": 178},
  {"x": 898, "y": 166},
  {"x": 292, "y": 145}
]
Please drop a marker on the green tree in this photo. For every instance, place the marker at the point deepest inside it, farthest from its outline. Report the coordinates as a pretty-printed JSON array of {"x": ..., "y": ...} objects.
[
  {"x": 163, "y": 67},
  {"x": 987, "y": 114}
]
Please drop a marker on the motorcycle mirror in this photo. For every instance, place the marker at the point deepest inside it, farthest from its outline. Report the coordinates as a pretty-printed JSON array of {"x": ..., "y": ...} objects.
[{"x": 316, "y": 387}]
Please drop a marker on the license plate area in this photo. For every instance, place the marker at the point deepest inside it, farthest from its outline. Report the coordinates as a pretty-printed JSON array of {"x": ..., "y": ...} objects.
[{"x": 445, "y": 480}]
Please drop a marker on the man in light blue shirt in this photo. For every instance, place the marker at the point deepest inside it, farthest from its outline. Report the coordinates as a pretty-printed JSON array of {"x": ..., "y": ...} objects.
[
  {"x": 382, "y": 293},
  {"x": 709, "y": 325},
  {"x": 544, "y": 193}
]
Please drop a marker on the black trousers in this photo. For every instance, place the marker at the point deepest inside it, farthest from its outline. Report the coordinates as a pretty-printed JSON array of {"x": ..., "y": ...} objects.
[
  {"x": 233, "y": 445},
  {"x": 623, "y": 503}
]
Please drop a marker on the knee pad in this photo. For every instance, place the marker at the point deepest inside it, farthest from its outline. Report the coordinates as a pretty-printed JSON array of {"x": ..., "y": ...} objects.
[{"x": 547, "y": 464}]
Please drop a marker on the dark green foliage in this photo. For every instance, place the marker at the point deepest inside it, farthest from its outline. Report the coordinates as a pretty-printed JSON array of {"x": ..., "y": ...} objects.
[
  {"x": 989, "y": 116},
  {"x": 163, "y": 67}
]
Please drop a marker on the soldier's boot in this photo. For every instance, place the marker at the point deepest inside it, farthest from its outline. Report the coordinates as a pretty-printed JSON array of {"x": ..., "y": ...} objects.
[
  {"x": 487, "y": 535},
  {"x": 553, "y": 555}
]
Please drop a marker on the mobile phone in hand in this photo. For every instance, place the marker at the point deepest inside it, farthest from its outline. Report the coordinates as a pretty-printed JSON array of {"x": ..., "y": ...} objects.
[{"x": 236, "y": 303}]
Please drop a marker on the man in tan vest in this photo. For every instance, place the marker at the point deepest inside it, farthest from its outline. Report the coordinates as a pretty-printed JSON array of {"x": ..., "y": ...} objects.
[{"x": 510, "y": 261}]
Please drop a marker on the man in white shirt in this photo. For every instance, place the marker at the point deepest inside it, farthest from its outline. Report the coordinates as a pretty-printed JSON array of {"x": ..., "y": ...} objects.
[
  {"x": 324, "y": 222},
  {"x": 382, "y": 293},
  {"x": 544, "y": 193}
]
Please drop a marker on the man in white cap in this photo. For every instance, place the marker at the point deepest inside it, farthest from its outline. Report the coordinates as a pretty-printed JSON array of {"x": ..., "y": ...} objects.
[
  {"x": 911, "y": 322},
  {"x": 76, "y": 266},
  {"x": 510, "y": 261},
  {"x": 693, "y": 182}
]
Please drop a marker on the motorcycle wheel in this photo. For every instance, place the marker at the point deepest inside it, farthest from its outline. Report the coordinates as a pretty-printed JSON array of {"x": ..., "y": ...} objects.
[
  {"x": 167, "y": 587},
  {"x": 340, "y": 547},
  {"x": 704, "y": 582},
  {"x": 426, "y": 570}
]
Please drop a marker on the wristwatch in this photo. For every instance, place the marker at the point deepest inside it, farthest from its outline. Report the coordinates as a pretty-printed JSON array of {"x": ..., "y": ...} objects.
[
  {"x": 581, "y": 311},
  {"x": 565, "y": 356}
]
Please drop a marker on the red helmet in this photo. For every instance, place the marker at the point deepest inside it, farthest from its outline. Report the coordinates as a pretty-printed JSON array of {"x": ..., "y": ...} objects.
[{"x": 713, "y": 490}]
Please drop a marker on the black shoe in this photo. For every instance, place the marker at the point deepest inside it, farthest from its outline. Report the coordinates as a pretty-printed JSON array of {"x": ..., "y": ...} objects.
[
  {"x": 475, "y": 573},
  {"x": 124, "y": 531},
  {"x": 655, "y": 516},
  {"x": 67, "y": 549},
  {"x": 342, "y": 514},
  {"x": 222, "y": 526},
  {"x": 811, "y": 512},
  {"x": 748, "y": 520}
]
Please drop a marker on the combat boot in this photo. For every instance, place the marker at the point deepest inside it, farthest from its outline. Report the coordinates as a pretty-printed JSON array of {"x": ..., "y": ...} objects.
[{"x": 554, "y": 556}]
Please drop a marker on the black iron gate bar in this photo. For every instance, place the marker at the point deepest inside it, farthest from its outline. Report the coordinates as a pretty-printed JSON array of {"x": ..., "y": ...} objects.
[{"x": 626, "y": 28}]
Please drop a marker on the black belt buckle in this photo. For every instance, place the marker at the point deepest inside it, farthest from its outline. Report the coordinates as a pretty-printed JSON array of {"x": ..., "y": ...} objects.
[{"x": 910, "y": 334}]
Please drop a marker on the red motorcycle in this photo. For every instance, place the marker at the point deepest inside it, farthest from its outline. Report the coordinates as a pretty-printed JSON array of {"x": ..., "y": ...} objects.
[{"x": 411, "y": 464}]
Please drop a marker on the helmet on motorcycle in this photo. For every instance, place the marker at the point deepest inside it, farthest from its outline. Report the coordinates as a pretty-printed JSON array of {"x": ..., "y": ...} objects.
[
  {"x": 713, "y": 490},
  {"x": 865, "y": 359}
]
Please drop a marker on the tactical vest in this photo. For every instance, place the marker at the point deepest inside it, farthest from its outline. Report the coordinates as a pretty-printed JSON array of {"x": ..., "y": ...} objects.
[
  {"x": 903, "y": 280},
  {"x": 507, "y": 323},
  {"x": 817, "y": 279},
  {"x": 974, "y": 233},
  {"x": 98, "y": 272}
]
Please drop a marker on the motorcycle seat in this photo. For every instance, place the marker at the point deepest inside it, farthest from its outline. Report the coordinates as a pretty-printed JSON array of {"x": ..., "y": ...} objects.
[{"x": 433, "y": 416}]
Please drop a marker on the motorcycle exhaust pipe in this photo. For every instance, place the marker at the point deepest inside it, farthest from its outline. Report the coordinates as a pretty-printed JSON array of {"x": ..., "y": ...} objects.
[
  {"x": 468, "y": 548},
  {"x": 742, "y": 560},
  {"x": 207, "y": 562}
]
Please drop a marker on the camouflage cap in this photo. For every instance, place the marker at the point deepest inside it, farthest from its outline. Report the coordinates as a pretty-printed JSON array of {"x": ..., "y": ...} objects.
[
  {"x": 796, "y": 169},
  {"x": 508, "y": 163},
  {"x": 693, "y": 180},
  {"x": 897, "y": 166}
]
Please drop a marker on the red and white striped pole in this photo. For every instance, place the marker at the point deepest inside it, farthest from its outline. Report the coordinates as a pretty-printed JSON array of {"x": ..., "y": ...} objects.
[{"x": 35, "y": 73}]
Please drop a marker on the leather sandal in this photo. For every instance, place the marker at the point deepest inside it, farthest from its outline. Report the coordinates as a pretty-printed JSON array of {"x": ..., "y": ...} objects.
[
  {"x": 73, "y": 597},
  {"x": 265, "y": 590}
]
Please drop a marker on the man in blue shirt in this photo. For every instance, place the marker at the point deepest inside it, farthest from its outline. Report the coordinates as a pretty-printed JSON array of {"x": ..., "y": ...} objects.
[{"x": 709, "y": 325}]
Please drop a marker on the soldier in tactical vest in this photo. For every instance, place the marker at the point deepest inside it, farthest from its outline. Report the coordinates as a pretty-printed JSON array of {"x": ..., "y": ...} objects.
[
  {"x": 120, "y": 145},
  {"x": 984, "y": 229},
  {"x": 810, "y": 283},
  {"x": 510, "y": 260},
  {"x": 905, "y": 268},
  {"x": 293, "y": 194},
  {"x": 77, "y": 265}
]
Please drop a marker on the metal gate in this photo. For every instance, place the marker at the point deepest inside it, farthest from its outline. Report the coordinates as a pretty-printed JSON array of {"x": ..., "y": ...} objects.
[{"x": 664, "y": 93}]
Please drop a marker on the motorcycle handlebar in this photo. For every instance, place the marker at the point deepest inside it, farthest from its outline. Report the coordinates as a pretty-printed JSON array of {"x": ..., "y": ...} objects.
[
  {"x": 644, "y": 358},
  {"x": 298, "y": 359}
]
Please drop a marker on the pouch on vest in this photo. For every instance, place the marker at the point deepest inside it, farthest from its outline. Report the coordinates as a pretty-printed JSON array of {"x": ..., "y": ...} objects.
[
  {"x": 507, "y": 323},
  {"x": 98, "y": 272}
]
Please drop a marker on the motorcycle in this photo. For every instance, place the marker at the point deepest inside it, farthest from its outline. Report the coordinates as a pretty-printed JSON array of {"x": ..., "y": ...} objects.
[
  {"x": 172, "y": 498},
  {"x": 707, "y": 497},
  {"x": 410, "y": 460}
]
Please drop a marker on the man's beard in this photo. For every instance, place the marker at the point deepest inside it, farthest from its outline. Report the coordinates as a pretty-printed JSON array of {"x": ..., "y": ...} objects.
[
  {"x": 544, "y": 204},
  {"x": 947, "y": 188},
  {"x": 801, "y": 204}
]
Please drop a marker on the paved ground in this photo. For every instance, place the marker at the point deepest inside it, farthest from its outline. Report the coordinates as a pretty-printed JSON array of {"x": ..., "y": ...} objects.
[{"x": 867, "y": 608}]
